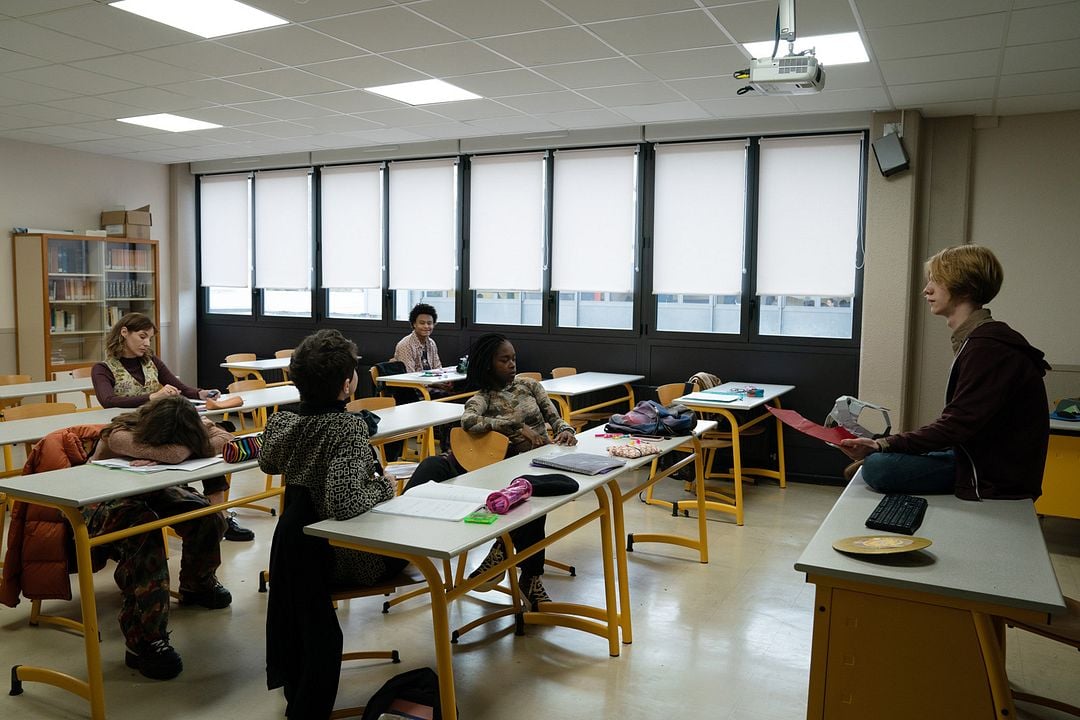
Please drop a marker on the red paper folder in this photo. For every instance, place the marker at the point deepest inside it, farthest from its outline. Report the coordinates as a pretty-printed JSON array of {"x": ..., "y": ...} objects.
[{"x": 832, "y": 435}]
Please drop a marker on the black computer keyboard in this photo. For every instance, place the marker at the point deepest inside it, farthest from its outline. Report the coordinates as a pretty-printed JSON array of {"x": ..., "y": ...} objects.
[{"x": 898, "y": 513}]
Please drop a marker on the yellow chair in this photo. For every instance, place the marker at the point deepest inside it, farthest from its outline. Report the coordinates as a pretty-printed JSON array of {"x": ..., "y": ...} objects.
[
  {"x": 239, "y": 375},
  {"x": 582, "y": 419},
  {"x": 10, "y": 402},
  {"x": 1065, "y": 629},
  {"x": 284, "y": 371},
  {"x": 563, "y": 372},
  {"x": 258, "y": 415},
  {"x": 84, "y": 372},
  {"x": 374, "y": 404},
  {"x": 533, "y": 375}
]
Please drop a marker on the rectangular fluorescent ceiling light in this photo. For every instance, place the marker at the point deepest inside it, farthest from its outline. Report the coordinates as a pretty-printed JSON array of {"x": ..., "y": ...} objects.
[
  {"x": 166, "y": 121},
  {"x": 838, "y": 49},
  {"x": 423, "y": 92},
  {"x": 208, "y": 18}
]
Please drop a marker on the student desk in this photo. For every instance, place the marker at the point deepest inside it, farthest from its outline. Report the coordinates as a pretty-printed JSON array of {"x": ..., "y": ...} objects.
[
  {"x": 919, "y": 635},
  {"x": 771, "y": 395},
  {"x": 48, "y": 387},
  {"x": 68, "y": 491},
  {"x": 1061, "y": 478},
  {"x": 422, "y": 381},
  {"x": 405, "y": 421},
  {"x": 561, "y": 390},
  {"x": 425, "y": 541},
  {"x": 258, "y": 365}
]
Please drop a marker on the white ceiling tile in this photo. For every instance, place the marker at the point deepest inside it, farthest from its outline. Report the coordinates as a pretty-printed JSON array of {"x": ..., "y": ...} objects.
[
  {"x": 450, "y": 131},
  {"x": 1044, "y": 56},
  {"x": 964, "y": 107},
  {"x": 545, "y": 47},
  {"x": 11, "y": 121},
  {"x": 503, "y": 82},
  {"x": 117, "y": 129},
  {"x": 300, "y": 11},
  {"x": 1048, "y": 82},
  {"x": 122, "y": 145},
  {"x": 981, "y": 63},
  {"x": 461, "y": 58},
  {"x": 191, "y": 139},
  {"x": 908, "y": 96},
  {"x": 218, "y": 91},
  {"x": 284, "y": 109},
  {"x": 210, "y": 58},
  {"x": 15, "y": 91},
  {"x": 403, "y": 116},
  {"x": 636, "y": 94},
  {"x": 112, "y": 27},
  {"x": 754, "y": 21},
  {"x": 938, "y": 38},
  {"x": 288, "y": 82},
  {"x": 388, "y": 135},
  {"x": 386, "y": 29},
  {"x": 700, "y": 62},
  {"x": 41, "y": 42},
  {"x": 1038, "y": 104},
  {"x": 282, "y": 129},
  {"x": 162, "y": 157},
  {"x": 228, "y": 116},
  {"x": 19, "y": 8},
  {"x": 74, "y": 133},
  {"x": 339, "y": 124},
  {"x": 850, "y": 77},
  {"x": 748, "y": 106},
  {"x": 586, "y": 11},
  {"x": 596, "y": 73},
  {"x": 714, "y": 88},
  {"x": 841, "y": 100},
  {"x": 291, "y": 45},
  {"x": 367, "y": 71},
  {"x": 471, "y": 110},
  {"x": 139, "y": 70},
  {"x": 657, "y": 33},
  {"x": 155, "y": 100},
  {"x": 230, "y": 135},
  {"x": 549, "y": 102},
  {"x": 17, "y": 61},
  {"x": 876, "y": 13},
  {"x": 32, "y": 136},
  {"x": 587, "y": 119},
  {"x": 49, "y": 115},
  {"x": 350, "y": 101},
  {"x": 483, "y": 18},
  {"x": 72, "y": 79},
  {"x": 663, "y": 112},
  {"x": 1045, "y": 24},
  {"x": 95, "y": 106},
  {"x": 512, "y": 125}
]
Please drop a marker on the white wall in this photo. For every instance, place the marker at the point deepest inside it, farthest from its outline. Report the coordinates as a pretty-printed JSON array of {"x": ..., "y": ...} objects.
[{"x": 56, "y": 189}]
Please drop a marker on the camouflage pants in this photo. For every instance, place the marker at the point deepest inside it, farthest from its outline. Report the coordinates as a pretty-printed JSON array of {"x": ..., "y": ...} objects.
[{"x": 142, "y": 572}]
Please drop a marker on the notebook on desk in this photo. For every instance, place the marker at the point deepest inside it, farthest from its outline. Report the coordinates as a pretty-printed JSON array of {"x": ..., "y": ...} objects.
[{"x": 584, "y": 463}]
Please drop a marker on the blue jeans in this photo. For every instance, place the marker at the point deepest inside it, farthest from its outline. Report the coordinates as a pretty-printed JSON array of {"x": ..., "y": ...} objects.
[{"x": 930, "y": 474}]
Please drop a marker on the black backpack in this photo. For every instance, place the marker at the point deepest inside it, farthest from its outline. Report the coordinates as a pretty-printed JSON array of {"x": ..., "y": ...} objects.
[{"x": 420, "y": 686}]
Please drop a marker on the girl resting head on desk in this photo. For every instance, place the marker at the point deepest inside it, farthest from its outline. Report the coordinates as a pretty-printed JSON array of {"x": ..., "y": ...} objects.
[
  {"x": 168, "y": 430},
  {"x": 520, "y": 409},
  {"x": 132, "y": 376}
]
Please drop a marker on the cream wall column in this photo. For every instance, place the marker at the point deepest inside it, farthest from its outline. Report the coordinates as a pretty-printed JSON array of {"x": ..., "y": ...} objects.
[{"x": 184, "y": 331}]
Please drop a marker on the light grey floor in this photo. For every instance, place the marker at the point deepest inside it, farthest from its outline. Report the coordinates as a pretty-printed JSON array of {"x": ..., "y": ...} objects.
[{"x": 730, "y": 639}]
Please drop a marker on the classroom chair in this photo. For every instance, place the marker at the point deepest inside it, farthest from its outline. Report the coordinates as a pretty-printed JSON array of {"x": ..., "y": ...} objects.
[
  {"x": 239, "y": 375},
  {"x": 10, "y": 402},
  {"x": 533, "y": 375},
  {"x": 1065, "y": 629},
  {"x": 703, "y": 381},
  {"x": 284, "y": 371},
  {"x": 563, "y": 372},
  {"x": 257, "y": 415},
  {"x": 582, "y": 419},
  {"x": 84, "y": 372},
  {"x": 35, "y": 410},
  {"x": 374, "y": 404}
]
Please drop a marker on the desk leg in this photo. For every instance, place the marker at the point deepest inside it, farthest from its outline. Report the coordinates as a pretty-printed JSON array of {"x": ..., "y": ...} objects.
[
  {"x": 699, "y": 473},
  {"x": 440, "y": 627},
  {"x": 780, "y": 448},
  {"x": 618, "y": 521},
  {"x": 736, "y": 459},
  {"x": 994, "y": 657},
  {"x": 429, "y": 444}
]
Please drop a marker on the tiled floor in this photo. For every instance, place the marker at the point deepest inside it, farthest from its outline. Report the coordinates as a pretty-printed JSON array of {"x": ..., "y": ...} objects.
[{"x": 730, "y": 639}]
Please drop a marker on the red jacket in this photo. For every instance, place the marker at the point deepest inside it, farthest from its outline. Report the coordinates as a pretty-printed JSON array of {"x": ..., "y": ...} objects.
[{"x": 39, "y": 541}]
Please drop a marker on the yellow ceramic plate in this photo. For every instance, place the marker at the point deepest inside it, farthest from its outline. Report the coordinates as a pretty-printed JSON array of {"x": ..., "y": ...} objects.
[{"x": 880, "y": 544}]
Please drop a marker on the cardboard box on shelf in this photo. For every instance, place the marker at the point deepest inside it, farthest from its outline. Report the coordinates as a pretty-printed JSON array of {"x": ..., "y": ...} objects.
[{"x": 138, "y": 217}]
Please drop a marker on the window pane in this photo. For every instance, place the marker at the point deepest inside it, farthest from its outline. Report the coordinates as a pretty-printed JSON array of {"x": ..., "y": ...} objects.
[
  {"x": 225, "y": 231},
  {"x": 806, "y": 316},
  {"x": 352, "y": 247},
  {"x": 283, "y": 246},
  {"x": 502, "y": 307},
  {"x": 593, "y": 237},
  {"x": 506, "y": 201},
  {"x": 698, "y": 313},
  {"x": 365, "y": 304},
  {"x": 292, "y": 303},
  {"x": 228, "y": 301},
  {"x": 442, "y": 300},
  {"x": 808, "y": 227}
]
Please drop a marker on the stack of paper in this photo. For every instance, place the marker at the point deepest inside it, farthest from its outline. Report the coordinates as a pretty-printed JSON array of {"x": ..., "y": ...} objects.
[{"x": 125, "y": 464}]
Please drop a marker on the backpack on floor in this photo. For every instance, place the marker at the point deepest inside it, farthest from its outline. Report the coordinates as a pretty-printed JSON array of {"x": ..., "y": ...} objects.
[{"x": 409, "y": 694}]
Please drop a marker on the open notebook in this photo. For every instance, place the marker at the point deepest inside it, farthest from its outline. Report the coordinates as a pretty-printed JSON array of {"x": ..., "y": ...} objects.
[
  {"x": 584, "y": 463},
  {"x": 441, "y": 501}
]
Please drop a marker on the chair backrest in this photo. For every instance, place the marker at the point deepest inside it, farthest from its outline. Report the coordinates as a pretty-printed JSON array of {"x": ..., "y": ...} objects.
[
  {"x": 703, "y": 381},
  {"x": 240, "y": 357},
  {"x": 14, "y": 379},
  {"x": 284, "y": 353},
  {"x": 21, "y": 412},
  {"x": 534, "y": 375},
  {"x": 242, "y": 385},
  {"x": 476, "y": 451},
  {"x": 563, "y": 372},
  {"x": 370, "y": 403},
  {"x": 242, "y": 374},
  {"x": 666, "y": 394},
  {"x": 83, "y": 372}
]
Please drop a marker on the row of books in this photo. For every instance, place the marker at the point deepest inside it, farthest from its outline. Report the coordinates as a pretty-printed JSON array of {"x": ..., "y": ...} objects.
[
  {"x": 64, "y": 320},
  {"x": 128, "y": 288},
  {"x": 73, "y": 289},
  {"x": 67, "y": 258},
  {"x": 129, "y": 259}
]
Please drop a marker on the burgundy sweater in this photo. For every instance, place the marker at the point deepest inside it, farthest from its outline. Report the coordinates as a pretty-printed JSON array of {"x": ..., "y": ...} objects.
[{"x": 104, "y": 382}]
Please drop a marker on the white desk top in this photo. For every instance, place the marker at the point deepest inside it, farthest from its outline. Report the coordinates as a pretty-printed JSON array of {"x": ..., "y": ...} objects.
[
  {"x": 88, "y": 484},
  {"x": 47, "y": 387},
  {"x": 989, "y": 551},
  {"x": 444, "y": 539},
  {"x": 264, "y": 397},
  {"x": 587, "y": 382},
  {"x": 260, "y": 365},
  {"x": 426, "y": 377},
  {"x": 1064, "y": 427},
  {"x": 743, "y": 403},
  {"x": 416, "y": 416}
]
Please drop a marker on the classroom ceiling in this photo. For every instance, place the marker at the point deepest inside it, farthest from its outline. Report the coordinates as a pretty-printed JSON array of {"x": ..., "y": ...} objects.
[{"x": 69, "y": 68}]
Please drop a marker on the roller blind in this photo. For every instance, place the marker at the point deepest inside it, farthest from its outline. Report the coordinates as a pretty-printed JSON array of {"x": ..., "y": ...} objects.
[
  {"x": 351, "y": 203},
  {"x": 225, "y": 231},
  {"x": 283, "y": 230},
  {"x": 593, "y": 220},
  {"x": 506, "y": 214},
  {"x": 423, "y": 238},
  {"x": 698, "y": 221},
  {"x": 808, "y": 215}
]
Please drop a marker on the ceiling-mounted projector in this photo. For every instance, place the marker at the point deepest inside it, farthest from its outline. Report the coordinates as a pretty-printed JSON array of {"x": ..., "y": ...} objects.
[{"x": 792, "y": 75}]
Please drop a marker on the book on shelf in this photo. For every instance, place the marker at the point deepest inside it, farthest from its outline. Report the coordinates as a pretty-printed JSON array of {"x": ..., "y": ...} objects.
[{"x": 441, "y": 501}]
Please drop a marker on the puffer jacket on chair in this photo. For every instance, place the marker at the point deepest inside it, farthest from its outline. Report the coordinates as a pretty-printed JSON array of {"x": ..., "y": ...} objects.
[{"x": 39, "y": 545}]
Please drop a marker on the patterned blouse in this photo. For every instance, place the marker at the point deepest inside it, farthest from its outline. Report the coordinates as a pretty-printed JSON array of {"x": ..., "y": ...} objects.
[
  {"x": 522, "y": 402},
  {"x": 416, "y": 354},
  {"x": 328, "y": 453}
]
